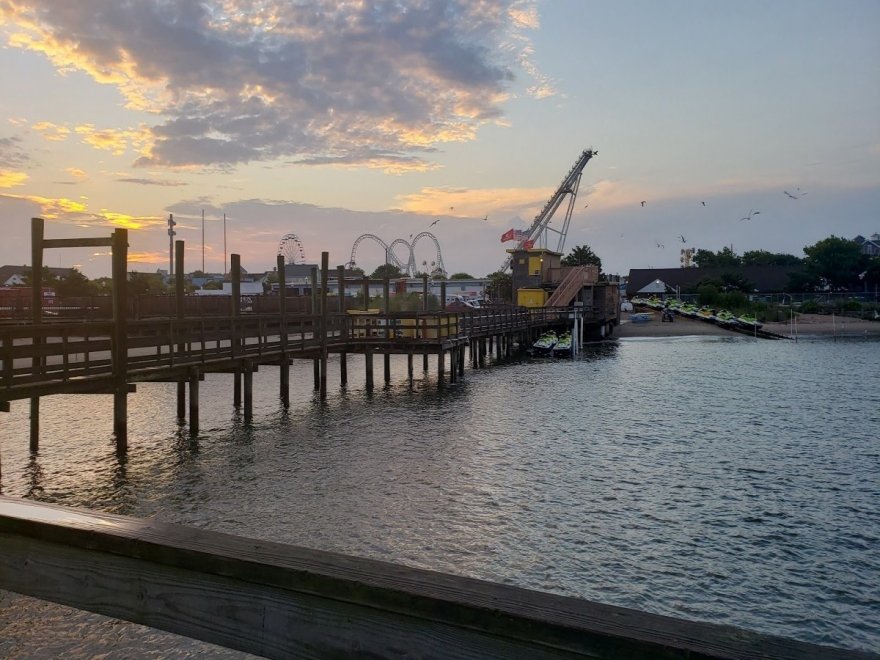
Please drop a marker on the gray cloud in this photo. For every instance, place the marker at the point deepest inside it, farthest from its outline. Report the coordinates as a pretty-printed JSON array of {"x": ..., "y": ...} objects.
[
  {"x": 153, "y": 182},
  {"x": 315, "y": 80},
  {"x": 11, "y": 153}
]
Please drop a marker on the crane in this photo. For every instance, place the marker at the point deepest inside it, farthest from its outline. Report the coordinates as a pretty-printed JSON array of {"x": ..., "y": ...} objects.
[{"x": 541, "y": 223}]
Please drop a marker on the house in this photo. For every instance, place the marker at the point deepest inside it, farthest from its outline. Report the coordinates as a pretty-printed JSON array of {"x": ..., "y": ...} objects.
[
  {"x": 647, "y": 281},
  {"x": 869, "y": 246},
  {"x": 16, "y": 275}
]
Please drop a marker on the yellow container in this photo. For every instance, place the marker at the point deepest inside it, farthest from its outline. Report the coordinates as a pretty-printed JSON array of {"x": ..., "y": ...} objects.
[{"x": 531, "y": 297}]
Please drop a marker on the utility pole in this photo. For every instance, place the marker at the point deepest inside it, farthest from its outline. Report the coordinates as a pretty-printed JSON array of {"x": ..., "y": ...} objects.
[
  {"x": 171, "y": 234},
  {"x": 224, "y": 244},
  {"x": 203, "y": 240}
]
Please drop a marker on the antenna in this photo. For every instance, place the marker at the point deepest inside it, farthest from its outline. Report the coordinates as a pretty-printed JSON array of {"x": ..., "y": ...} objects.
[{"x": 224, "y": 244}]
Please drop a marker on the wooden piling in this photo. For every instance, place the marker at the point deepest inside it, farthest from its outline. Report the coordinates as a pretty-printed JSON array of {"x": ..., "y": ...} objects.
[
  {"x": 386, "y": 359},
  {"x": 368, "y": 365},
  {"x": 235, "y": 281},
  {"x": 180, "y": 301},
  {"x": 284, "y": 364},
  {"x": 325, "y": 326},
  {"x": 409, "y": 367},
  {"x": 248, "y": 390},
  {"x": 120, "y": 336},
  {"x": 193, "y": 402},
  {"x": 37, "y": 231}
]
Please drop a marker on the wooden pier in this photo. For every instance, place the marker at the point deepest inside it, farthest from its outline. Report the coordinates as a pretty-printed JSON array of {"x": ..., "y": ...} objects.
[{"x": 53, "y": 355}]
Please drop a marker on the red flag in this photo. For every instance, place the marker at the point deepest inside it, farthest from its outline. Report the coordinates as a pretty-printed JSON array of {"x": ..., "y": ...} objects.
[
  {"x": 528, "y": 245},
  {"x": 507, "y": 236}
]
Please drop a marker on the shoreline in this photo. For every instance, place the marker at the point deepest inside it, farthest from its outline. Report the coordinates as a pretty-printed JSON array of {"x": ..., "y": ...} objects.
[{"x": 806, "y": 325}]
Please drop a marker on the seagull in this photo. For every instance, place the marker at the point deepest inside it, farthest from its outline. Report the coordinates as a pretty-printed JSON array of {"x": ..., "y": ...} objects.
[
  {"x": 486, "y": 219},
  {"x": 682, "y": 238},
  {"x": 643, "y": 202},
  {"x": 434, "y": 223},
  {"x": 703, "y": 203},
  {"x": 749, "y": 216},
  {"x": 789, "y": 194},
  {"x": 659, "y": 245},
  {"x": 586, "y": 205}
]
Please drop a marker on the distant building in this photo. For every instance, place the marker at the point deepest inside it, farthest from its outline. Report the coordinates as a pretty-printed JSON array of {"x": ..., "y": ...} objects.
[
  {"x": 16, "y": 275},
  {"x": 648, "y": 281},
  {"x": 869, "y": 246}
]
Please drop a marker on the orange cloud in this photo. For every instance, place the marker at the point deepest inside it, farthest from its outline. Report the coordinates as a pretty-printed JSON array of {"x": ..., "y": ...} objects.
[
  {"x": 73, "y": 212},
  {"x": 10, "y": 179},
  {"x": 476, "y": 203},
  {"x": 51, "y": 132},
  {"x": 77, "y": 173},
  {"x": 112, "y": 140}
]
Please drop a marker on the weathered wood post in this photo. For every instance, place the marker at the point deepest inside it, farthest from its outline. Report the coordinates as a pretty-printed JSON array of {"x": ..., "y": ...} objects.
[
  {"x": 368, "y": 366},
  {"x": 120, "y": 336},
  {"x": 366, "y": 292},
  {"x": 325, "y": 326},
  {"x": 316, "y": 362},
  {"x": 235, "y": 280},
  {"x": 386, "y": 306},
  {"x": 193, "y": 401},
  {"x": 425, "y": 292},
  {"x": 442, "y": 295},
  {"x": 179, "y": 300},
  {"x": 284, "y": 364},
  {"x": 248, "y": 390},
  {"x": 343, "y": 356},
  {"x": 37, "y": 230}
]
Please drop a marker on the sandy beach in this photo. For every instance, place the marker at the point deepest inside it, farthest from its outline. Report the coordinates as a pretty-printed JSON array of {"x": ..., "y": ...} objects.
[{"x": 807, "y": 325}]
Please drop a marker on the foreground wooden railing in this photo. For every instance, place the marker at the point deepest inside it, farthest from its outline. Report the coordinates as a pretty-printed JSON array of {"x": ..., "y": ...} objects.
[{"x": 282, "y": 601}]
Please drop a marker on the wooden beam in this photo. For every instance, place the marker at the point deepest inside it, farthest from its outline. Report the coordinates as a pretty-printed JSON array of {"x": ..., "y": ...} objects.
[
  {"x": 77, "y": 242},
  {"x": 282, "y": 601}
]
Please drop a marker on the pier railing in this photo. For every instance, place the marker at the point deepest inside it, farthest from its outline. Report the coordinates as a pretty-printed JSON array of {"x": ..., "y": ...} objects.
[
  {"x": 283, "y": 601},
  {"x": 55, "y": 357}
]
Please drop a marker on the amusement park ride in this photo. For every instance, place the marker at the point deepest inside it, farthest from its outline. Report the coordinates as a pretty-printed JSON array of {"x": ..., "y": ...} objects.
[{"x": 292, "y": 249}]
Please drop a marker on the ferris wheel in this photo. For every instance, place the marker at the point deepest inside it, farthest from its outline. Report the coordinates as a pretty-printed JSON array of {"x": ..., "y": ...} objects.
[{"x": 291, "y": 248}]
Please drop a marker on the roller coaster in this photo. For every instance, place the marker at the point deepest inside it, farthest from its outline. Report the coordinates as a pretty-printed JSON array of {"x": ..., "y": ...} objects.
[{"x": 407, "y": 264}]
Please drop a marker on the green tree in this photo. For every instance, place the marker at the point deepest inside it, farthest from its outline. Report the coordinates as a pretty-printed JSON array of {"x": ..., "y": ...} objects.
[
  {"x": 582, "y": 255},
  {"x": 213, "y": 285},
  {"x": 74, "y": 284},
  {"x": 146, "y": 283},
  {"x": 386, "y": 270},
  {"x": 461, "y": 276},
  {"x": 834, "y": 261},
  {"x": 723, "y": 258},
  {"x": 500, "y": 287},
  {"x": 765, "y": 258}
]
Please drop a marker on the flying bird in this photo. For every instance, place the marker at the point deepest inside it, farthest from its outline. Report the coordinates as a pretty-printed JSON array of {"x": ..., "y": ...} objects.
[
  {"x": 434, "y": 223},
  {"x": 789, "y": 194},
  {"x": 586, "y": 205},
  {"x": 750, "y": 215},
  {"x": 703, "y": 203},
  {"x": 682, "y": 238},
  {"x": 643, "y": 202},
  {"x": 659, "y": 245},
  {"x": 486, "y": 219}
]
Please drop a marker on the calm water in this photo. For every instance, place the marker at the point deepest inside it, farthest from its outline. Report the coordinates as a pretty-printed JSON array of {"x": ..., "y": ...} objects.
[{"x": 718, "y": 479}]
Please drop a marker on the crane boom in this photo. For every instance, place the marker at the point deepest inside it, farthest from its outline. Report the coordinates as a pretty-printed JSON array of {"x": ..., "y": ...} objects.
[{"x": 540, "y": 224}]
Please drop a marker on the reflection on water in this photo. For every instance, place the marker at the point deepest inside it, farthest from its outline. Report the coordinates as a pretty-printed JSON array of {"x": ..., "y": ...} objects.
[{"x": 727, "y": 480}]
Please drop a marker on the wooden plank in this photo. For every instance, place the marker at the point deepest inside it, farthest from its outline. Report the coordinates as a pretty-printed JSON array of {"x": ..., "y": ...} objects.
[
  {"x": 77, "y": 242},
  {"x": 278, "y": 600}
]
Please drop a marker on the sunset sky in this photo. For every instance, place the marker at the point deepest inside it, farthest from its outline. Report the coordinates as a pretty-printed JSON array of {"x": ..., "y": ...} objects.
[{"x": 332, "y": 119}]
